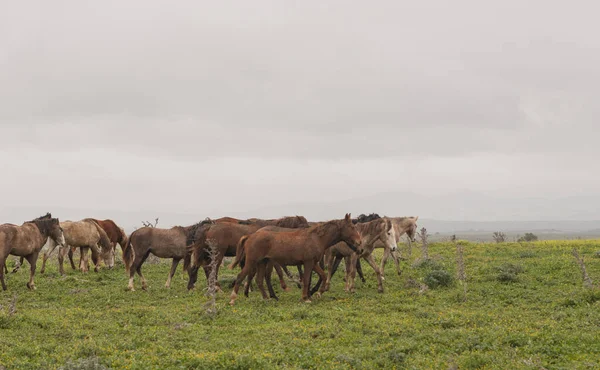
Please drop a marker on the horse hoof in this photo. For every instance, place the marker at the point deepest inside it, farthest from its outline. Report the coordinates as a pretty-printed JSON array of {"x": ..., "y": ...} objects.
[
  {"x": 307, "y": 301},
  {"x": 318, "y": 294},
  {"x": 31, "y": 286},
  {"x": 232, "y": 302},
  {"x": 286, "y": 289},
  {"x": 380, "y": 290}
]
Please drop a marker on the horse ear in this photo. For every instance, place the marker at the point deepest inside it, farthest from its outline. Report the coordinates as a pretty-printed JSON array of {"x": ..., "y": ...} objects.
[
  {"x": 416, "y": 218},
  {"x": 348, "y": 217}
]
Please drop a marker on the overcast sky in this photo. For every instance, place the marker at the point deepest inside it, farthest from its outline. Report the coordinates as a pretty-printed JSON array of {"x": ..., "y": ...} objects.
[{"x": 213, "y": 108}]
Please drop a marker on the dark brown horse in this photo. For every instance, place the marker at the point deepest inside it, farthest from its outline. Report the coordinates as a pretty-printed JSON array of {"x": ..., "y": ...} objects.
[
  {"x": 302, "y": 246},
  {"x": 163, "y": 243},
  {"x": 225, "y": 236},
  {"x": 27, "y": 241}
]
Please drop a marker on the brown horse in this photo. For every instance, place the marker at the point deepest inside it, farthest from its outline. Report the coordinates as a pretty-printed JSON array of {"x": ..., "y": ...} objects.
[
  {"x": 380, "y": 230},
  {"x": 27, "y": 241},
  {"x": 163, "y": 243},
  {"x": 85, "y": 235},
  {"x": 226, "y": 236},
  {"x": 292, "y": 222},
  {"x": 401, "y": 225},
  {"x": 302, "y": 246}
]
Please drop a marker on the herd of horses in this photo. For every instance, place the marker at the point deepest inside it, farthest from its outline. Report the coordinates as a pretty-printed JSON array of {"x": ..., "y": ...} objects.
[{"x": 258, "y": 246}]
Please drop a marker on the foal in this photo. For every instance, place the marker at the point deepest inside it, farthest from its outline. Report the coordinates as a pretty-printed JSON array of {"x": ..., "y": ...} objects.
[
  {"x": 380, "y": 230},
  {"x": 303, "y": 246}
]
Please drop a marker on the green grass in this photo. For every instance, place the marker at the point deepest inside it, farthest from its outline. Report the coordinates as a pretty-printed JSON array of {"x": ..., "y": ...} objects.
[{"x": 543, "y": 318}]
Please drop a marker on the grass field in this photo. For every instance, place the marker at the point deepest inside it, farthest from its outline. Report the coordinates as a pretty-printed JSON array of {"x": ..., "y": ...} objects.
[{"x": 525, "y": 308}]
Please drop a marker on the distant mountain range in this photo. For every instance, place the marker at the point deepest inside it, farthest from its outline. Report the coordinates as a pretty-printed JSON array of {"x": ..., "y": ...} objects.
[{"x": 452, "y": 213}]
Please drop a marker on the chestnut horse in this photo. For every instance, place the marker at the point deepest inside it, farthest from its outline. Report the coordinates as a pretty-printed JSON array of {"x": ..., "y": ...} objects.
[
  {"x": 302, "y": 246},
  {"x": 226, "y": 236},
  {"x": 163, "y": 243},
  {"x": 27, "y": 241},
  {"x": 380, "y": 230},
  {"x": 85, "y": 235}
]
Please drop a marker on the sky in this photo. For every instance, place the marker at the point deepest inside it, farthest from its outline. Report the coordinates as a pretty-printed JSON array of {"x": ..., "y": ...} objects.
[{"x": 245, "y": 108}]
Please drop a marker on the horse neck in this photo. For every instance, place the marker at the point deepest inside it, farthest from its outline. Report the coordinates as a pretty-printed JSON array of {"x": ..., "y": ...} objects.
[
  {"x": 367, "y": 238},
  {"x": 403, "y": 225},
  {"x": 328, "y": 234}
]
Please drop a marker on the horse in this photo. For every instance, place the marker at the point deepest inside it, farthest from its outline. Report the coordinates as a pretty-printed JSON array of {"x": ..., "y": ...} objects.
[
  {"x": 292, "y": 222},
  {"x": 85, "y": 235},
  {"x": 379, "y": 230},
  {"x": 401, "y": 225},
  {"x": 302, "y": 246},
  {"x": 27, "y": 241},
  {"x": 226, "y": 236},
  {"x": 163, "y": 243},
  {"x": 115, "y": 234}
]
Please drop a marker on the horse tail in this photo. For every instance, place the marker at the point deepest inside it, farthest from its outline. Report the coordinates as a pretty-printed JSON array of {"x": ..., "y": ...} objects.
[
  {"x": 123, "y": 239},
  {"x": 128, "y": 254},
  {"x": 240, "y": 253}
]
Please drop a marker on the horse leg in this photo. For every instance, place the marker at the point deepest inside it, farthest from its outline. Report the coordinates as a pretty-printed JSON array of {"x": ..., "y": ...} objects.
[
  {"x": 3, "y": 262},
  {"x": 61, "y": 258},
  {"x": 308, "y": 267},
  {"x": 269, "y": 272},
  {"x": 260, "y": 278},
  {"x": 386, "y": 255},
  {"x": 47, "y": 255},
  {"x": 32, "y": 259},
  {"x": 96, "y": 257},
  {"x": 322, "y": 277},
  {"x": 334, "y": 262},
  {"x": 18, "y": 264},
  {"x": 279, "y": 270},
  {"x": 71, "y": 251},
  {"x": 396, "y": 261},
  {"x": 248, "y": 268},
  {"x": 347, "y": 262},
  {"x": 287, "y": 272},
  {"x": 83, "y": 259},
  {"x": 247, "y": 284},
  {"x": 359, "y": 270},
  {"x": 371, "y": 262},
  {"x": 139, "y": 271},
  {"x": 172, "y": 272},
  {"x": 352, "y": 275}
]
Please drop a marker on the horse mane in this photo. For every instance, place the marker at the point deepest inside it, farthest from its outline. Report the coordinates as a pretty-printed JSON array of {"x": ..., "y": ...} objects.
[
  {"x": 47, "y": 216},
  {"x": 245, "y": 222},
  {"x": 364, "y": 218},
  {"x": 44, "y": 223},
  {"x": 191, "y": 230}
]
